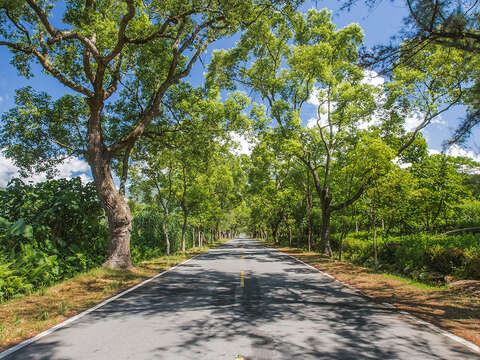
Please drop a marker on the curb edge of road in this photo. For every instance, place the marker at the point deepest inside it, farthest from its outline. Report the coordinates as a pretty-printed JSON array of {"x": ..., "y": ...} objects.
[
  {"x": 74, "y": 318},
  {"x": 431, "y": 326}
]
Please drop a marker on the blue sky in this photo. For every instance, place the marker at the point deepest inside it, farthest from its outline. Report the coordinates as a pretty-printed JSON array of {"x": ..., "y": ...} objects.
[{"x": 379, "y": 24}]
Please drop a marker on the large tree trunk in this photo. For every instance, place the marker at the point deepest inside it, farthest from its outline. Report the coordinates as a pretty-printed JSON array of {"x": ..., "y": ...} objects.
[
  {"x": 374, "y": 225},
  {"x": 184, "y": 209},
  {"x": 299, "y": 235},
  {"x": 114, "y": 203},
  {"x": 275, "y": 232},
  {"x": 340, "y": 246},
  {"x": 310, "y": 220},
  {"x": 325, "y": 200},
  {"x": 120, "y": 226},
  {"x": 118, "y": 214}
]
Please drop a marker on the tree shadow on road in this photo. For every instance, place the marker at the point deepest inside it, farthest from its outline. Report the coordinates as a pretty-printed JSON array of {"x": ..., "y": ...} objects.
[{"x": 291, "y": 314}]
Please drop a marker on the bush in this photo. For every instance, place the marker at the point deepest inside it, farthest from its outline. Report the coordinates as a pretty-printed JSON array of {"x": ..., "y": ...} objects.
[
  {"x": 147, "y": 238},
  {"x": 48, "y": 232},
  {"x": 414, "y": 255},
  {"x": 444, "y": 260},
  {"x": 53, "y": 230}
]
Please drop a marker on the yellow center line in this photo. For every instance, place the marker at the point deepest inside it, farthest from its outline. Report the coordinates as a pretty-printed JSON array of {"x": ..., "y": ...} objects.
[{"x": 242, "y": 281}]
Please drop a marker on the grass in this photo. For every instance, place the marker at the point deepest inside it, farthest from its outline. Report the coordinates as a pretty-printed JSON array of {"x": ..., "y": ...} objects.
[
  {"x": 447, "y": 308},
  {"x": 24, "y": 317}
]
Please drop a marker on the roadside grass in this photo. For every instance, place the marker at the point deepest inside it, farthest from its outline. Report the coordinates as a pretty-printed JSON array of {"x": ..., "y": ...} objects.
[
  {"x": 26, "y": 316},
  {"x": 449, "y": 309}
]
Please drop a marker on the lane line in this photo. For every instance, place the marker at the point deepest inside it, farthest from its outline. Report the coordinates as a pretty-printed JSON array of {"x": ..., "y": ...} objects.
[
  {"x": 435, "y": 328},
  {"x": 391, "y": 306},
  {"x": 24, "y": 343},
  {"x": 242, "y": 282}
]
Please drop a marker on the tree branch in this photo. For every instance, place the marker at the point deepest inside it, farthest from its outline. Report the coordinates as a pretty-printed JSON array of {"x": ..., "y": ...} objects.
[
  {"x": 56, "y": 35},
  {"x": 122, "y": 39}
]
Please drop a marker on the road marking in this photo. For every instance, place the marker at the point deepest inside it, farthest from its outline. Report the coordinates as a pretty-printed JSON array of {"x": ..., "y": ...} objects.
[
  {"x": 242, "y": 282},
  {"x": 391, "y": 306},
  {"x": 443, "y": 332},
  {"x": 448, "y": 334},
  {"x": 24, "y": 343}
]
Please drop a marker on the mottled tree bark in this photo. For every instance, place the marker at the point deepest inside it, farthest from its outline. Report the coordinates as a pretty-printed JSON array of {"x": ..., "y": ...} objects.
[{"x": 114, "y": 203}]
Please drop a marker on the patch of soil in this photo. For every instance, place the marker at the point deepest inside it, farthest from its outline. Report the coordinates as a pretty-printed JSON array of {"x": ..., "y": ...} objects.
[{"x": 467, "y": 286}]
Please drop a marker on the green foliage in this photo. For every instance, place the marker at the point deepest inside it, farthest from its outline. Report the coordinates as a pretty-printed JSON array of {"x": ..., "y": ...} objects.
[
  {"x": 52, "y": 230},
  {"x": 48, "y": 231},
  {"x": 60, "y": 217},
  {"x": 423, "y": 257},
  {"x": 147, "y": 238}
]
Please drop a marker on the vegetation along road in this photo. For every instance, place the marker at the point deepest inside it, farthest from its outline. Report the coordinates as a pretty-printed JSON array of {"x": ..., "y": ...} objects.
[{"x": 244, "y": 300}]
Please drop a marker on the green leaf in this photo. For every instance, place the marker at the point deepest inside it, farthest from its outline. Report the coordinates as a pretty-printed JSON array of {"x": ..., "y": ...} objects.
[{"x": 22, "y": 229}]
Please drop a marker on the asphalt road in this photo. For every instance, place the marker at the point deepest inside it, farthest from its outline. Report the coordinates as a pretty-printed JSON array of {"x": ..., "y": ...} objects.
[{"x": 278, "y": 309}]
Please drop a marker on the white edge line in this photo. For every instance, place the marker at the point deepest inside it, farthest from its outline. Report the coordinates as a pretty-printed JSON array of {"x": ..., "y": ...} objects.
[
  {"x": 24, "y": 343},
  {"x": 391, "y": 306},
  {"x": 448, "y": 334}
]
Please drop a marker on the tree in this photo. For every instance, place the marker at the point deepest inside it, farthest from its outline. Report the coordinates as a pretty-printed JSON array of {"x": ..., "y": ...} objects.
[
  {"x": 448, "y": 25},
  {"x": 432, "y": 82},
  {"x": 296, "y": 61},
  {"x": 439, "y": 186},
  {"x": 104, "y": 41},
  {"x": 177, "y": 166}
]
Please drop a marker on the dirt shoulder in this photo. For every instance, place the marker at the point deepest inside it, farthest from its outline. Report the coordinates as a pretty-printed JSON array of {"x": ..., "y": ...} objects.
[
  {"x": 448, "y": 308},
  {"x": 25, "y": 317}
]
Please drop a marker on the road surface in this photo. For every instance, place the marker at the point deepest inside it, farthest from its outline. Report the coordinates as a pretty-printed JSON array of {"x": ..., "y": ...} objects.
[{"x": 244, "y": 300}]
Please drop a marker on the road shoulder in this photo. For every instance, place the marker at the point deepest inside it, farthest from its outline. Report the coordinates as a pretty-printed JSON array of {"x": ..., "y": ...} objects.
[
  {"x": 26, "y": 317},
  {"x": 451, "y": 311}
]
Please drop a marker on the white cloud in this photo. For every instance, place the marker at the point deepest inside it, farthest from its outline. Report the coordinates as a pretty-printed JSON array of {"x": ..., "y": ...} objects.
[
  {"x": 7, "y": 170},
  {"x": 412, "y": 121},
  {"x": 70, "y": 166},
  {"x": 433, "y": 151},
  {"x": 439, "y": 120},
  {"x": 85, "y": 178},
  {"x": 311, "y": 123},
  {"x": 1, "y": 99},
  {"x": 402, "y": 165},
  {"x": 244, "y": 145},
  {"x": 455, "y": 150},
  {"x": 66, "y": 169},
  {"x": 372, "y": 78},
  {"x": 314, "y": 97}
]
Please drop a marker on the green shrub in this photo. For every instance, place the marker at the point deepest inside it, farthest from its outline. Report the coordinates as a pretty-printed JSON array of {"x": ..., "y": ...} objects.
[
  {"x": 48, "y": 232},
  {"x": 444, "y": 260},
  {"x": 414, "y": 255},
  {"x": 53, "y": 230}
]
